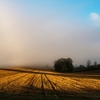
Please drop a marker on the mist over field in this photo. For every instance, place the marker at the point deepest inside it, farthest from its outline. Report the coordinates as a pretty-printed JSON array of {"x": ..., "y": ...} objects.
[{"x": 38, "y": 33}]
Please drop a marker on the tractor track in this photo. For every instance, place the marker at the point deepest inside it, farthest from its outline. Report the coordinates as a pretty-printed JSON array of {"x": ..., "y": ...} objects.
[
  {"x": 46, "y": 86},
  {"x": 25, "y": 89},
  {"x": 9, "y": 82},
  {"x": 60, "y": 92},
  {"x": 29, "y": 88},
  {"x": 42, "y": 86},
  {"x": 86, "y": 89},
  {"x": 53, "y": 87}
]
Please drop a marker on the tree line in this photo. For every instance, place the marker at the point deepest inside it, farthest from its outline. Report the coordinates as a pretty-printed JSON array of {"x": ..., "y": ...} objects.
[{"x": 66, "y": 65}]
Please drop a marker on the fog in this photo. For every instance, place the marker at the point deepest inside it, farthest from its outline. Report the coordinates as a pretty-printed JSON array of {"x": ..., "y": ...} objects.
[{"x": 27, "y": 40}]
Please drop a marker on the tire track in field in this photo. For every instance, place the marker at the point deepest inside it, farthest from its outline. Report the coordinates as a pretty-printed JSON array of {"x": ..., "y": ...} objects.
[
  {"x": 16, "y": 79},
  {"x": 30, "y": 84},
  {"x": 42, "y": 87},
  {"x": 84, "y": 87},
  {"x": 6, "y": 79},
  {"x": 66, "y": 84},
  {"x": 9, "y": 82},
  {"x": 25, "y": 86},
  {"x": 86, "y": 90},
  {"x": 37, "y": 84},
  {"x": 30, "y": 87},
  {"x": 12, "y": 86},
  {"x": 28, "y": 80},
  {"x": 60, "y": 88},
  {"x": 69, "y": 86},
  {"x": 58, "y": 83},
  {"x": 53, "y": 88},
  {"x": 75, "y": 86},
  {"x": 19, "y": 84}
]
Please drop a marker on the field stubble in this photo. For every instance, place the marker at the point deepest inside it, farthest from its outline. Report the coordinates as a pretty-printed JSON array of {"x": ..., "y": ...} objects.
[{"x": 50, "y": 85}]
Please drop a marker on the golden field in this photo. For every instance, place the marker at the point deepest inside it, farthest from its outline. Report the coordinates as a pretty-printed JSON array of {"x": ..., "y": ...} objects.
[{"x": 29, "y": 84}]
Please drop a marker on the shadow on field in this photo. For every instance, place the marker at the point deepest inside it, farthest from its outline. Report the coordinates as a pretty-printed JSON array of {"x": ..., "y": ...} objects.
[
  {"x": 29, "y": 92},
  {"x": 48, "y": 95}
]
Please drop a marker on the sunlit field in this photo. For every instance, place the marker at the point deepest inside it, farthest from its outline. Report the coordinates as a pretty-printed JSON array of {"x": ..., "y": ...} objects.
[{"x": 29, "y": 84}]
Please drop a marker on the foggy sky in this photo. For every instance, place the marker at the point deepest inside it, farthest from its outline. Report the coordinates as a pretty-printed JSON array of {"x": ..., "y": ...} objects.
[{"x": 34, "y": 37}]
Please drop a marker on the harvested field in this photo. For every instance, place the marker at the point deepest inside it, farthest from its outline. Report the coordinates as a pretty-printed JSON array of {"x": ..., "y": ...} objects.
[{"x": 29, "y": 84}]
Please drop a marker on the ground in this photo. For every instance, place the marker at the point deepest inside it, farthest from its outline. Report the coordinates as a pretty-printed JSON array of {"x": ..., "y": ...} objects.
[{"x": 29, "y": 84}]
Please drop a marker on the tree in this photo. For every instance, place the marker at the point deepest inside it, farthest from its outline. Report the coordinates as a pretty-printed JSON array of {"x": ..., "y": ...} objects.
[
  {"x": 82, "y": 67},
  {"x": 88, "y": 63},
  {"x": 63, "y": 65},
  {"x": 95, "y": 64}
]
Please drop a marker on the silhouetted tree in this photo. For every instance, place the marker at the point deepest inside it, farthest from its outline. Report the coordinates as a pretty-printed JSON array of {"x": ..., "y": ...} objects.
[
  {"x": 95, "y": 64},
  {"x": 98, "y": 66},
  {"x": 81, "y": 66},
  {"x": 63, "y": 65},
  {"x": 88, "y": 63}
]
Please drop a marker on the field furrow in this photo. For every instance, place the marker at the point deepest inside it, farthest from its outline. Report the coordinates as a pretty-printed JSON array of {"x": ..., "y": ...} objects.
[{"x": 50, "y": 84}]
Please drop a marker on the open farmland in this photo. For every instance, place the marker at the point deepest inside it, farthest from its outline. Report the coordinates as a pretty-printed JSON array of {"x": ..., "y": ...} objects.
[{"x": 29, "y": 84}]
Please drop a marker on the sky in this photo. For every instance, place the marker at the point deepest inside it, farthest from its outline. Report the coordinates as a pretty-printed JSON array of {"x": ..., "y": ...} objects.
[{"x": 42, "y": 31}]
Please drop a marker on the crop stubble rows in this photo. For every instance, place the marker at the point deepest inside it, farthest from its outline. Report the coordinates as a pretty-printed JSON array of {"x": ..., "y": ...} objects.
[{"x": 60, "y": 86}]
